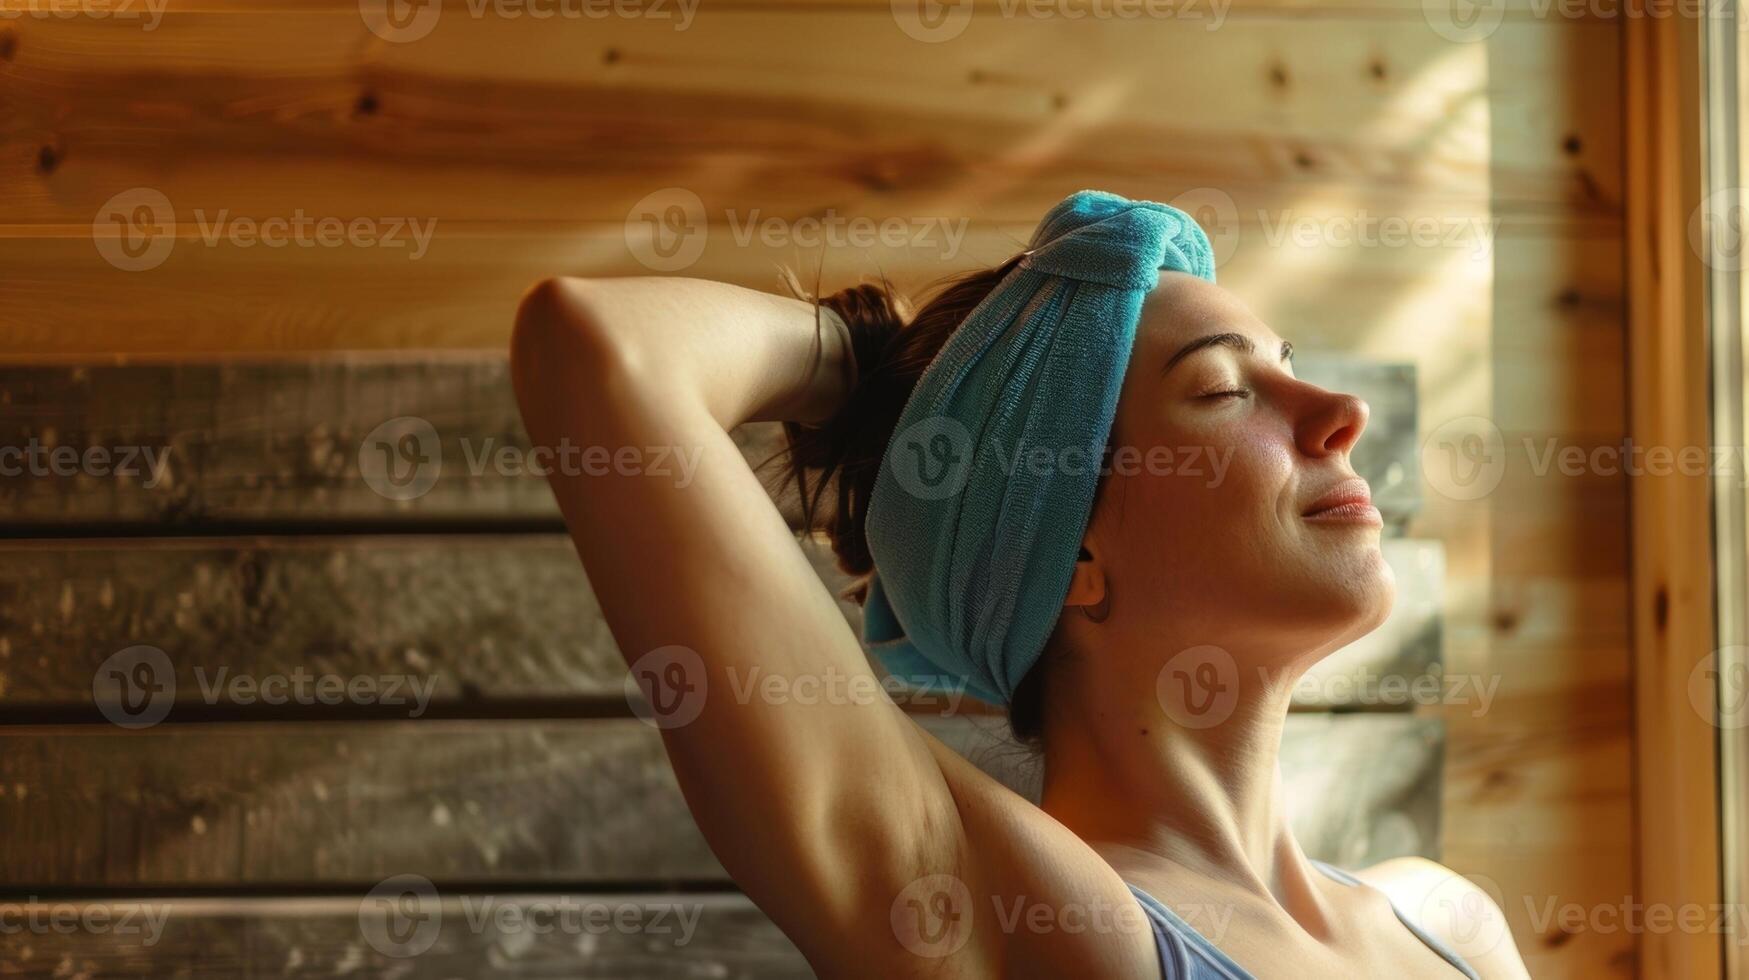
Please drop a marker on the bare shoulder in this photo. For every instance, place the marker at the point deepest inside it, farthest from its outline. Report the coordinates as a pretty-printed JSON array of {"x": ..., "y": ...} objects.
[{"x": 1459, "y": 911}]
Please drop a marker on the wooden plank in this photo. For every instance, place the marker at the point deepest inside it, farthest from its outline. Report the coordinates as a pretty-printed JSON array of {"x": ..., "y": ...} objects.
[
  {"x": 1431, "y": 308},
  {"x": 457, "y": 623},
  {"x": 1675, "y": 745},
  {"x": 470, "y": 620},
  {"x": 587, "y": 116},
  {"x": 339, "y": 164},
  {"x": 1202, "y": 15},
  {"x": 1416, "y": 302},
  {"x": 441, "y": 935},
  {"x": 188, "y": 445},
  {"x": 1539, "y": 804},
  {"x": 385, "y": 440},
  {"x": 571, "y": 802},
  {"x": 444, "y": 932},
  {"x": 231, "y": 441}
]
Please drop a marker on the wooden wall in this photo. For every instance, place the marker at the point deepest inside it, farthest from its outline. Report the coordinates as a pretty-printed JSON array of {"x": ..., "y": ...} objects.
[
  {"x": 535, "y": 145},
  {"x": 490, "y": 759}
]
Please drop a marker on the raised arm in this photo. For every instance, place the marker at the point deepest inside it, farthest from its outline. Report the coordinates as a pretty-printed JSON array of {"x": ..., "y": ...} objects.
[{"x": 822, "y": 811}]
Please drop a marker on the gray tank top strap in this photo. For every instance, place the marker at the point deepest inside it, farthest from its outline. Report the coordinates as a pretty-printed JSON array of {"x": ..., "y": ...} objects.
[
  {"x": 1185, "y": 954},
  {"x": 1426, "y": 937}
]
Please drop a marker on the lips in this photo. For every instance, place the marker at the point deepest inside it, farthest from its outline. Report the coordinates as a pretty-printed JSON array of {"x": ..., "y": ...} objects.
[{"x": 1348, "y": 501}]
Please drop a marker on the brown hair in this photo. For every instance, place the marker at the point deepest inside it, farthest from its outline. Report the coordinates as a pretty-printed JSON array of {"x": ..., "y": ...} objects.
[{"x": 840, "y": 457}]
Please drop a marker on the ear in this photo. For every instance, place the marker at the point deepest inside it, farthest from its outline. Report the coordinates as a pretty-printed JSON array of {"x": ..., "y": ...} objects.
[{"x": 1087, "y": 588}]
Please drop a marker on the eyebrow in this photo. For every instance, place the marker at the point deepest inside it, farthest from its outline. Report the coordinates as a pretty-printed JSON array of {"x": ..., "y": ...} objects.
[{"x": 1234, "y": 341}]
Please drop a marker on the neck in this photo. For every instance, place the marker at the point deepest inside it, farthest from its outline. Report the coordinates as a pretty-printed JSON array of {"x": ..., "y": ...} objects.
[{"x": 1195, "y": 783}]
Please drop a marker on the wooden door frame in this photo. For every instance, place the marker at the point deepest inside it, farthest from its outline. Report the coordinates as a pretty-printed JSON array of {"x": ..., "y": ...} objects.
[
  {"x": 1725, "y": 100},
  {"x": 1670, "y": 169}
]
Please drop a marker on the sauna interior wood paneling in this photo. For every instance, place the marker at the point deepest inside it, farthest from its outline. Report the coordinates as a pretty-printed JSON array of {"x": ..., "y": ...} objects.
[
  {"x": 504, "y": 758},
  {"x": 531, "y": 144}
]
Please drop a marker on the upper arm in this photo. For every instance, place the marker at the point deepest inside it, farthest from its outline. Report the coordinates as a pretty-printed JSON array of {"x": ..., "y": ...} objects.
[
  {"x": 1455, "y": 909},
  {"x": 817, "y": 793}
]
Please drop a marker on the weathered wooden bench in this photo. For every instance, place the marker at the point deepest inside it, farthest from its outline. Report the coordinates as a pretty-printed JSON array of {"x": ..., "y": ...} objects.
[{"x": 501, "y": 812}]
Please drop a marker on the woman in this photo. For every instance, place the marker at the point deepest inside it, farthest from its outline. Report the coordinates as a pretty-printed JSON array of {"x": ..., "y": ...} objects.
[{"x": 957, "y": 449}]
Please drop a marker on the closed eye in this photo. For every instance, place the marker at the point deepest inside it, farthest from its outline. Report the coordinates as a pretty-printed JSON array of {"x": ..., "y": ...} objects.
[{"x": 1234, "y": 393}]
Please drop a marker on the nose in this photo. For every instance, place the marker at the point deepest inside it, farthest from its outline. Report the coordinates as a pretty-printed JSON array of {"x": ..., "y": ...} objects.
[{"x": 1332, "y": 423}]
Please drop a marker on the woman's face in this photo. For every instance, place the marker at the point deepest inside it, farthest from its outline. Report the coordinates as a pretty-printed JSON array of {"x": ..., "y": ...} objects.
[{"x": 1215, "y": 524}]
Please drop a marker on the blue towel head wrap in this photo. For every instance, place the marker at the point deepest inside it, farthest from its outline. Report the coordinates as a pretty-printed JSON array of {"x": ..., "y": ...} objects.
[{"x": 984, "y": 494}]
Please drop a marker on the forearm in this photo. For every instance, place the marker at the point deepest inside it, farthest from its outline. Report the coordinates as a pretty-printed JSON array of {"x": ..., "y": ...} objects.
[{"x": 747, "y": 355}]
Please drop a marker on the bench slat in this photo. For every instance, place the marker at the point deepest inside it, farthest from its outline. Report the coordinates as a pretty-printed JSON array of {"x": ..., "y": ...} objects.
[
  {"x": 563, "y": 802},
  {"x": 485, "y": 936},
  {"x": 484, "y": 623}
]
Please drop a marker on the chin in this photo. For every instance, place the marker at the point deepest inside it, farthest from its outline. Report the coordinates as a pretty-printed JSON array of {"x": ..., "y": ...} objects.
[
  {"x": 1373, "y": 591},
  {"x": 1358, "y": 595}
]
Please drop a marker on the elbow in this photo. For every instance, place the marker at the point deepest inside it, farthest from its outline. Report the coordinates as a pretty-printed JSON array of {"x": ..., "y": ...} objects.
[
  {"x": 554, "y": 319},
  {"x": 560, "y": 344}
]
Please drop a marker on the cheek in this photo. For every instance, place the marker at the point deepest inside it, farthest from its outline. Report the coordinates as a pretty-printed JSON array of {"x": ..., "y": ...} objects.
[
  {"x": 1238, "y": 485},
  {"x": 1217, "y": 502}
]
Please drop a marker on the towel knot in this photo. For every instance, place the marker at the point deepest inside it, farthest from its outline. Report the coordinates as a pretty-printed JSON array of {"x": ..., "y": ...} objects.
[{"x": 1093, "y": 236}]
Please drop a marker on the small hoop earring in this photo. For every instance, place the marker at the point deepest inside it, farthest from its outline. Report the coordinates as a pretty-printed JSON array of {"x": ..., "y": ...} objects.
[{"x": 1099, "y": 610}]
